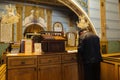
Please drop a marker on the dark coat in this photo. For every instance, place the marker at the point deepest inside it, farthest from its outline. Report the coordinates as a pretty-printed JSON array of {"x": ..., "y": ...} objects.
[{"x": 89, "y": 48}]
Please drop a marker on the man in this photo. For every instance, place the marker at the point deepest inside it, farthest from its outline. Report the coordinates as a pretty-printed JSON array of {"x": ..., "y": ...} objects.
[{"x": 89, "y": 53}]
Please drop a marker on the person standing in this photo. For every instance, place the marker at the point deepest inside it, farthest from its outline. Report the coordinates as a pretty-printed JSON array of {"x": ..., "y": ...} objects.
[{"x": 89, "y": 54}]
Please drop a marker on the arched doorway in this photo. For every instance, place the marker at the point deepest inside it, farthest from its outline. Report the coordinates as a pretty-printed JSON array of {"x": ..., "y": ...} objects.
[{"x": 32, "y": 29}]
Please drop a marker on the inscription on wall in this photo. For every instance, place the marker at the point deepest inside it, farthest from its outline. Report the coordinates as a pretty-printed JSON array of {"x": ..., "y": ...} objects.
[{"x": 6, "y": 32}]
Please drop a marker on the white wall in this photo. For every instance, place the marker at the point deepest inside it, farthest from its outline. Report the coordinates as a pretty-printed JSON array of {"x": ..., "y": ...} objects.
[
  {"x": 112, "y": 19},
  {"x": 94, "y": 13},
  {"x": 59, "y": 16},
  {"x": 62, "y": 15}
]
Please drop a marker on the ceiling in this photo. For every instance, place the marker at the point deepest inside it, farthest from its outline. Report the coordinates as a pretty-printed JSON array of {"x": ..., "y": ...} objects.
[{"x": 46, "y": 2}]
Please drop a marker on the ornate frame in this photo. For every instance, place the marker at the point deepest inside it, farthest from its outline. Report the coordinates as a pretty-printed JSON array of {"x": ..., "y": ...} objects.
[
  {"x": 67, "y": 37},
  {"x": 58, "y": 25}
]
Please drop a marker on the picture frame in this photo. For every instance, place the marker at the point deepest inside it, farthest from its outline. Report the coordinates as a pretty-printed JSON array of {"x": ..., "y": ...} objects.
[
  {"x": 58, "y": 27},
  {"x": 37, "y": 48},
  {"x": 71, "y": 39}
]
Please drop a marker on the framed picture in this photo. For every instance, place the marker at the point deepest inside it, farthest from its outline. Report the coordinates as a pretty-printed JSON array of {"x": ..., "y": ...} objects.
[
  {"x": 71, "y": 38},
  {"x": 28, "y": 46},
  {"x": 37, "y": 48},
  {"x": 57, "y": 26}
]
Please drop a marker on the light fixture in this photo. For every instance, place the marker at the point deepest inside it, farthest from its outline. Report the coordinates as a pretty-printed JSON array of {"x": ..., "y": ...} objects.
[
  {"x": 11, "y": 16},
  {"x": 83, "y": 23}
]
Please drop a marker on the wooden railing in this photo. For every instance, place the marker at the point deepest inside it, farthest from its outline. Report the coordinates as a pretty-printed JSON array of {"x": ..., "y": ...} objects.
[{"x": 3, "y": 72}]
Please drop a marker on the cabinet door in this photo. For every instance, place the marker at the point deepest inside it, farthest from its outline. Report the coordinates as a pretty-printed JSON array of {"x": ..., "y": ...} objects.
[
  {"x": 22, "y": 74},
  {"x": 49, "y": 72},
  {"x": 70, "y": 71},
  {"x": 108, "y": 71}
]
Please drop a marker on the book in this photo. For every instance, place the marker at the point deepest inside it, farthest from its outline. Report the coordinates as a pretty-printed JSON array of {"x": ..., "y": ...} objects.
[{"x": 28, "y": 46}]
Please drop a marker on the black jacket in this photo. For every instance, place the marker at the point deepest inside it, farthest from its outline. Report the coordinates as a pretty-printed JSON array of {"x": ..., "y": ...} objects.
[{"x": 89, "y": 48}]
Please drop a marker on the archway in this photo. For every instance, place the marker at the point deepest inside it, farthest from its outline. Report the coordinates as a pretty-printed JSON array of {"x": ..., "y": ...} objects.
[
  {"x": 33, "y": 29},
  {"x": 74, "y": 5}
]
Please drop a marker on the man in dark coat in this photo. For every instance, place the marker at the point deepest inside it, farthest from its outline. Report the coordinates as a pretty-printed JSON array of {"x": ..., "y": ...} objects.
[{"x": 89, "y": 53}]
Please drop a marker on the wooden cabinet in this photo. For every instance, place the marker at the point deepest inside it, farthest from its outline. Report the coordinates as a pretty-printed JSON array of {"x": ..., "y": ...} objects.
[
  {"x": 22, "y": 74},
  {"x": 110, "y": 67},
  {"x": 49, "y": 59},
  {"x": 49, "y": 67},
  {"x": 49, "y": 72},
  {"x": 109, "y": 70},
  {"x": 61, "y": 66},
  {"x": 22, "y": 68},
  {"x": 69, "y": 67},
  {"x": 21, "y": 62}
]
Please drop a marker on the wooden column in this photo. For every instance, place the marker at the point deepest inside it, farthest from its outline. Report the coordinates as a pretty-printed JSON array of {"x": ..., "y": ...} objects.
[
  {"x": 19, "y": 24},
  {"x": 103, "y": 20},
  {"x": 104, "y": 43},
  {"x": 0, "y": 28},
  {"x": 49, "y": 20}
]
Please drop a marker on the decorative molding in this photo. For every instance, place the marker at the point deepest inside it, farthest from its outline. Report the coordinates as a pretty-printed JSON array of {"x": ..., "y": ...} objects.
[
  {"x": 77, "y": 9},
  {"x": 83, "y": 22},
  {"x": 34, "y": 18},
  {"x": 10, "y": 17}
]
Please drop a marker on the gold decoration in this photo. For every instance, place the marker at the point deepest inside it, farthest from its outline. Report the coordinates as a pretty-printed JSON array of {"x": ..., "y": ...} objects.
[
  {"x": 82, "y": 22},
  {"x": 10, "y": 17}
]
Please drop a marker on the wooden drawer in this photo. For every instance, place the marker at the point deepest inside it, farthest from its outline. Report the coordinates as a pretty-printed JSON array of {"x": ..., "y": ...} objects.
[
  {"x": 69, "y": 58},
  {"x": 14, "y": 62},
  {"x": 49, "y": 59}
]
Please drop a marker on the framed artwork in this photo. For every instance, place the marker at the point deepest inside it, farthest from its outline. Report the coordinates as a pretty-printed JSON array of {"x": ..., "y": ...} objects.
[
  {"x": 57, "y": 26},
  {"x": 71, "y": 38},
  {"x": 37, "y": 48},
  {"x": 6, "y": 33},
  {"x": 28, "y": 46}
]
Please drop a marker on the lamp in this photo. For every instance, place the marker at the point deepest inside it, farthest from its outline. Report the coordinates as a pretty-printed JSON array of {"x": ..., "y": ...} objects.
[{"x": 11, "y": 16}]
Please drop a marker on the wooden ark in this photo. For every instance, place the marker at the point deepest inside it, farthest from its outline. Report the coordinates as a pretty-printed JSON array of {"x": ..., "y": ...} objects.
[{"x": 53, "y": 45}]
